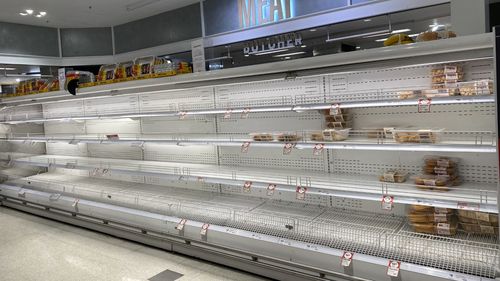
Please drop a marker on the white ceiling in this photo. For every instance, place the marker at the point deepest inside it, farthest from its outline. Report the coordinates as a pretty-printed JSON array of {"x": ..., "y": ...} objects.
[{"x": 85, "y": 13}]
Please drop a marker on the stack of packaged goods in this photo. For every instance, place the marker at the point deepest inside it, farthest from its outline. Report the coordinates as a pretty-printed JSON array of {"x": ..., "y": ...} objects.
[
  {"x": 440, "y": 173},
  {"x": 445, "y": 81},
  {"x": 430, "y": 220},
  {"x": 124, "y": 71},
  {"x": 106, "y": 74},
  {"x": 478, "y": 222},
  {"x": 337, "y": 126}
]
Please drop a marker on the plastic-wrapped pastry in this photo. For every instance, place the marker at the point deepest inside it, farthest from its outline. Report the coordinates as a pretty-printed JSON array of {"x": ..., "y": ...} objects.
[{"x": 396, "y": 176}]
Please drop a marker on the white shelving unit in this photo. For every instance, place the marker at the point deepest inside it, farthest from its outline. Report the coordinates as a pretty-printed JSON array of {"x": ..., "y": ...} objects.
[{"x": 160, "y": 160}]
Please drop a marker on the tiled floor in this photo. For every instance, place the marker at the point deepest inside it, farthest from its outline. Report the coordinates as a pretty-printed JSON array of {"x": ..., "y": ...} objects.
[{"x": 34, "y": 248}]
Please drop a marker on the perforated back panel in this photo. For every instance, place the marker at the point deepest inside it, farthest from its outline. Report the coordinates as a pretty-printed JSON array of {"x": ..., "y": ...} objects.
[
  {"x": 366, "y": 84},
  {"x": 202, "y": 154}
]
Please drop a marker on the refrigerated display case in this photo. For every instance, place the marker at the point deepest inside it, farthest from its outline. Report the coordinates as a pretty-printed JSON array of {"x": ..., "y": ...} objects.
[{"x": 240, "y": 167}]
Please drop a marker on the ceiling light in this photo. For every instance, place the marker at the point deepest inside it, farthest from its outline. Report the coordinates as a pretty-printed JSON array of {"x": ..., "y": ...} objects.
[
  {"x": 23, "y": 14},
  {"x": 381, "y": 40},
  {"x": 367, "y": 20},
  {"x": 287, "y": 58},
  {"x": 38, "y": 16},
  {"x": 29, "y": 11},
  {"x": 400, "y": 30},
  {"x": 313, "y": 29},
  {"x": 43, "y": 13},
  {"x": 7, "y": 68},
  {"x": 358, "y": 47},
  {"x": 303, "y": 46},
  {"x": 289, "y": 54},
  {"x": 139, "y": 4},
  {"x": 247, "y": 55}
]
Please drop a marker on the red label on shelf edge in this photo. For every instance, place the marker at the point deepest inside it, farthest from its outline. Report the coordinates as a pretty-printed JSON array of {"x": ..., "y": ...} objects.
[
  {"x": 182, "y": 114},
  {"x": 300, "y": 192},
  {"x": 244, "y": 113},
  {"x": 227, "y": 114},
  {"x": 346, "y": 259},
  {"x": 270, "y": 189},
  {"x": 287, "y": 149},
  {"x": 393, "y": 268},
  {"x": 318, "y": 149},
  {"x": 387, "y": 202},
  {"x": 246, "y": 186},
  {"x": 424, "y": 105},
  {"x": 204, "y": 229},
  {"x": 180, "y": 225},
  {"x": 245, "y": 146}
]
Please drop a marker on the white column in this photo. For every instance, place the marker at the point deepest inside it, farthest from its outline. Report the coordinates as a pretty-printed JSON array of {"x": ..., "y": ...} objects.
[{"x": 469, "y": 16}]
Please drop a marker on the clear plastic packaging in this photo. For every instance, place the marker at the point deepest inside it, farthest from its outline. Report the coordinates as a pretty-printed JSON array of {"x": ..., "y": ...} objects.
[
  {"x": 287, "y": 136},
  {"x": 262, "y": 136},
  {"x": 336, "y": 134},
  {"x": 411, "y": 135},
  {"x": 396, "y": 176},
  {"x": 420, "y": 217},
  {"x": 317, "y": 136},
  {"x": 477, "y": 217},
  {"x": 436, "y": 182},
  {"x": 403, "y": 95},
  {"x": 446, "y": 229},
  {"x": 479, "y": 229},
  {"x": 476, "y": 88},
  {"x": 106, "y": 72}
]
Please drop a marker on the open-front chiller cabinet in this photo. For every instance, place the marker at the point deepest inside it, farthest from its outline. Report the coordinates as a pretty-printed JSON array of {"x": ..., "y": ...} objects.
[{"x": 378, "y": 164}]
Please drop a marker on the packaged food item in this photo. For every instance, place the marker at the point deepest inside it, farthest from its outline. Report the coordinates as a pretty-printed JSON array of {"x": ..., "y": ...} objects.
[
  {"x": 317, "y": 136},
  {"x": 427, "y": 36},
  {"x": 336, "y": 134},
  {"x": 476, "y": 88},
  {"x": 374, "y": 133},
  {"x": 429, "y": 209},
  {"x": 411, "y": 135},
  {"x": 421, "y": 217},
  {"x": 143, "y": 67},
  {"x": 447, "y": 69},
  {"x": 396, "y": 176},
  {"x": 398, "y": 39},
  {"x": 479, "y": 229},
  {"x": 262, "y": 136},
  {"x": 474, "y": 217},
  {"x": 446, "y": 229},
  {"x": 436, "y": 182},
  {"x": 287, "y": 137},
  {"x": 450, "y": 78},
  {"x": 410, "y": 94},
  {"x": 125, "y": 71},
  {"x": 106, "y": 73},
  {"x": 440, "y": 90}
]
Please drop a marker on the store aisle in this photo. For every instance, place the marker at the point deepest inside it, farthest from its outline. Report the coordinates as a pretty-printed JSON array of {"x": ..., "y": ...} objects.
[{"x": 33, "y": 248}]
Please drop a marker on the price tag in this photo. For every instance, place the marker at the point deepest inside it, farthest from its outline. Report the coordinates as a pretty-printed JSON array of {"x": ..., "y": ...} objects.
[
  {"x": 246, "y": 186},
  {"x": 200, "y": 179},
  {"x": 443, "y": 229},
  {"x": 182, "y": 115},
  {"x": 245, "y": 146},
  {"x": 244, "y": 113},
  {"x": 180, "y": 225},
  {"x": 204, "y": 229},
  {"x": 270, "y": 189},
  {"x": 387, "y": 202},
  {"x": 424, "y": 105},
  {"x": 449, "y": 69},
  {"x": 335, "y": 109},
  {"x": 468, "y": 206},
  {"x": 287, "y": 149},
  {"x": 346, "y": 259},
  {"x": 227, "y": 114},
  {"x": 113, "y": 137},
  {"x": 21, "y": 193},
  {"x": 300, "y": 192},
  {"x": 393, "y": 268},
  {"x": 440, "y": 217},
  {"x": 318, "y": 149},
  {"x": 75, "y": 203}
]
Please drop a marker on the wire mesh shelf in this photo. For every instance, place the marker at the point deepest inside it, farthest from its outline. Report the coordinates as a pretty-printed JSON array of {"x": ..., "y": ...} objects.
[{"x": 360, "y": 232}]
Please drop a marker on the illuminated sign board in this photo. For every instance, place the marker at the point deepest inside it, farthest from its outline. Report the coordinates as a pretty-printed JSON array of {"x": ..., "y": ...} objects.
[{"x": 257, "y": 12}]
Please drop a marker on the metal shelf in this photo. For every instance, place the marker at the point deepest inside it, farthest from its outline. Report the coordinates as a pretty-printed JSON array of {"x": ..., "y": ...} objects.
[
  {"x": 377, "y": 235},
  {"x": 451, "y": 141},
  {"x": 287, "y": 105},
  {"x": 481, "y": 197}
]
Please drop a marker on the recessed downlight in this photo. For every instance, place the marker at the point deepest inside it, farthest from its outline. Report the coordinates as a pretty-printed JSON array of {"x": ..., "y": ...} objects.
[
  {"x": 23, "y": 14},
  {"x": 43, "y": 13},
  {"x": 29, "y": 11}
]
